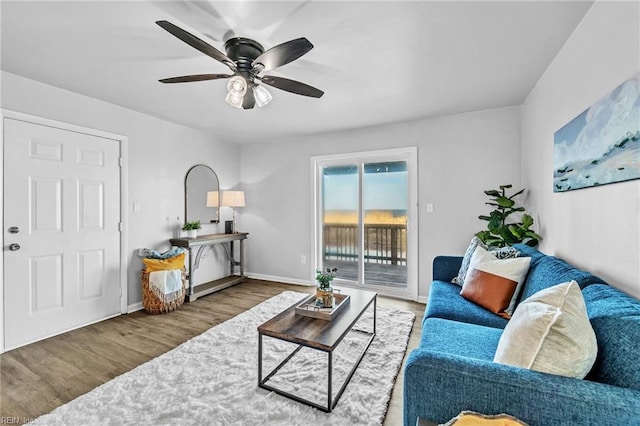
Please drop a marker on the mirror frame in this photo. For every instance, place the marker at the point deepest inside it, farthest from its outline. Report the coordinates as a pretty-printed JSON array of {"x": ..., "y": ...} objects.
[{"x": 186, "y": 195}]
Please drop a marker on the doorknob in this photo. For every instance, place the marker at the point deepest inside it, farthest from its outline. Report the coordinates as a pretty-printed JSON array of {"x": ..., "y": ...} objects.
[{"x": 14, "y": 247}]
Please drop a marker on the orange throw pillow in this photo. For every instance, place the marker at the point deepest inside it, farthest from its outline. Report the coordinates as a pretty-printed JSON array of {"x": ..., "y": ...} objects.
[{"x": 488, "y": 290}]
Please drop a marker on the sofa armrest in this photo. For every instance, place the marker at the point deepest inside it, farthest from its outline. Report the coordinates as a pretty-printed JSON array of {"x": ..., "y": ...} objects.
[
  {"x": 438, "y": 386},
  {"x": 446, "y": 267}
]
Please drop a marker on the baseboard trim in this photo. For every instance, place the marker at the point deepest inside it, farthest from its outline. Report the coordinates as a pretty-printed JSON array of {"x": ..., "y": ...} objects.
[
  {"x": 422, "y": 299},
  {"x": 135, "y": 307},
  {"x": 285, "y": 280}
]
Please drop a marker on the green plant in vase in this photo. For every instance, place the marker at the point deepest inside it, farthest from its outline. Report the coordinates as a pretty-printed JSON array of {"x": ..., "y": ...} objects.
[
  {"x": 500, "y": 232},
  {"x": 324, "y": 291},
  {"x": 191, "y": 228}
]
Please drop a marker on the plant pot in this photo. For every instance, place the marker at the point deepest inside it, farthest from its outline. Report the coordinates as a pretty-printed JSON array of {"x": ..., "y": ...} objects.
[
  {"x": 324, "y": 298},
  {"x": 192, "y": 233}
]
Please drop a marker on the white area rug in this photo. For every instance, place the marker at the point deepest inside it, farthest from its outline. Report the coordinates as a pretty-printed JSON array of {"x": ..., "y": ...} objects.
[{"x": 212, "y": 379}]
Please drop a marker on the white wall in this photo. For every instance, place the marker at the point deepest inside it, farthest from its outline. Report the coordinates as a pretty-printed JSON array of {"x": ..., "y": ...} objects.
[
  {"x": 458, "y": 157},
  {"x": 160, "y": 153},
  {"x": 595, "y": 228}
]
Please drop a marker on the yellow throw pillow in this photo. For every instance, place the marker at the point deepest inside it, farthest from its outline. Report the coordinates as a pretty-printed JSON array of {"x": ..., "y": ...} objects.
[
  {"x": 470, "y": 418},
  {"x": 176, "y": 262}
]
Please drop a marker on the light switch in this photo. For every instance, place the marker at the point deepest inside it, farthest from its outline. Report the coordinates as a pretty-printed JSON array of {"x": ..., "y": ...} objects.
[
  {"x": 429, "y": 207},
  {"x": 136, "y": 207}
]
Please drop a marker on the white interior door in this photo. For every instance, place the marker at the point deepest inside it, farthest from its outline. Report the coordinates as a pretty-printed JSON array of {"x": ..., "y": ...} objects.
[{"x": 62, "y": 237}]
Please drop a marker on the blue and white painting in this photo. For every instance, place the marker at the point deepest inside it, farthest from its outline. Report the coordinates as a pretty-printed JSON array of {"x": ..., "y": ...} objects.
[{"x": 602, "y": 144}]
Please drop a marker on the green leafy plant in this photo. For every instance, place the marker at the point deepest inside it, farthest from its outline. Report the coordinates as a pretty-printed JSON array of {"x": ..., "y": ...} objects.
[
  {"x": 189, "y": 226},
  {"x": 324, "y": 278},
  {"x": 500, "y": 232}
]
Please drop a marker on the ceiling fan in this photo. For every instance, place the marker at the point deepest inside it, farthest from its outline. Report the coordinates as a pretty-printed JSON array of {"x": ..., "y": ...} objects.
[{"x": 247, "y": 58}]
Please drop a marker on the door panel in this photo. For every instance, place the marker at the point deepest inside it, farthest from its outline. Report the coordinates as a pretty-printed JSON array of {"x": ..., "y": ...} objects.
[
  {"x": 340, "y": 220},
  {"x": 385, "y": 205},
  {"x": 45, "y": 283},
  {"x": 62, "y": 190}
]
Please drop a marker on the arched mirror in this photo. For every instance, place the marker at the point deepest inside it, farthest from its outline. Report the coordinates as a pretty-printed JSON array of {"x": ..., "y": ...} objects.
[{"x": 201, "y": 195}]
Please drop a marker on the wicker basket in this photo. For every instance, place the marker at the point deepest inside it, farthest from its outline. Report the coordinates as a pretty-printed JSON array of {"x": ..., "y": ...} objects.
[{"x": 153, "y": 305}]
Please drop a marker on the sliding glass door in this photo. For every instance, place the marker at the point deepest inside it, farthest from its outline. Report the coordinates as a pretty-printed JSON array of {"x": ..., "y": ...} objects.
[
  {"x": 363, "y": 213},
  {"x": 385, "y": 192}
]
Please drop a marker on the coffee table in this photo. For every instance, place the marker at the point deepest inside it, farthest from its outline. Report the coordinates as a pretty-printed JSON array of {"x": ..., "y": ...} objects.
[{"x": 320, "y": 335}]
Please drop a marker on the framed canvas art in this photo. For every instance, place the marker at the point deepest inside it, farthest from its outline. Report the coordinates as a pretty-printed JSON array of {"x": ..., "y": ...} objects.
[{"x": 602, "y": 144}]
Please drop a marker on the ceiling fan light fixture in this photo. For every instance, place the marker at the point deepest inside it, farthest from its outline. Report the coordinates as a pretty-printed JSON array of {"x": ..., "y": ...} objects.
[
  {"x": 233, "y": 100},
  {"x": 237, "y": 86},
  {"x": 262, "y": 95}
]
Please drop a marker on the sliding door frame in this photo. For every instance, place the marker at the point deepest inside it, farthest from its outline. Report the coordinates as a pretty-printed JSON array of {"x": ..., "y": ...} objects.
[{"x": 408, "y": 154}]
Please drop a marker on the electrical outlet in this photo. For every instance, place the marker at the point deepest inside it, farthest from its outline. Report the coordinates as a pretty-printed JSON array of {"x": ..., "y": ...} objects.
[{"x": 303, "y": 259}]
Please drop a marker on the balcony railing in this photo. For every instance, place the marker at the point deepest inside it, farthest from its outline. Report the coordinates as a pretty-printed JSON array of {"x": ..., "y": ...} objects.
[{"x": 383, "y": 244}]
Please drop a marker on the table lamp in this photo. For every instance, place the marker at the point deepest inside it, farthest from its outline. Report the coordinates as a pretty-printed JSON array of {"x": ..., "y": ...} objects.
[{"x": 233, "y": 199}]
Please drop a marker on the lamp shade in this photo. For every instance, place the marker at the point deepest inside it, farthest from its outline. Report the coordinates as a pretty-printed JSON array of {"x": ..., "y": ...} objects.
[
  {"x": 233, "y": 199},
  {"x": 213, "y": 199},
  {"x": 261, "y": 95}
]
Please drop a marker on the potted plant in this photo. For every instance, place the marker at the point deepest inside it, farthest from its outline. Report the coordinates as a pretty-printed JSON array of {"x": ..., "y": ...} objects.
[
  {"x": 500, "y": 232},
  {"x": 191, "y": 228},
  {"x": 324, "y": 291}
]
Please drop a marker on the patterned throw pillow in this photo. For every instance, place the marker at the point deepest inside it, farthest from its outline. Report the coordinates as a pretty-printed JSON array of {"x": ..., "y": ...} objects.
[{"x": 501, "y": 253}]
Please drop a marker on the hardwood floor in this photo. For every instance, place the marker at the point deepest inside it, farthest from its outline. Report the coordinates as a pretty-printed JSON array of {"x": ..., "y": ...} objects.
[{"x": 39, "y": 377}]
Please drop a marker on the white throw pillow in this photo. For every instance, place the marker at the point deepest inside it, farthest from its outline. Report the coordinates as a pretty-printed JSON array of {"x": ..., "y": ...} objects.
[
  {"x": 550, "y": 332},
  {"x": 498, "y": 253}
]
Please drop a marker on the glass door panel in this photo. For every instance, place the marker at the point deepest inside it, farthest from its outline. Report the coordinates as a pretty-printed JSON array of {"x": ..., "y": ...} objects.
[
  {"x": 340, "y": 220},
  {"x": 385, "y": 191}
]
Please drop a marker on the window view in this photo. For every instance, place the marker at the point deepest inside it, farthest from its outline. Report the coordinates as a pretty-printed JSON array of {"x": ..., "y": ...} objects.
[{"x": 366, "y": 202}]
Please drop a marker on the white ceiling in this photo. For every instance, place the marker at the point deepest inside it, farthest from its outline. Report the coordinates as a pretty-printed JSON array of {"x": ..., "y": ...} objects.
[{"x": 378, "y": 62}]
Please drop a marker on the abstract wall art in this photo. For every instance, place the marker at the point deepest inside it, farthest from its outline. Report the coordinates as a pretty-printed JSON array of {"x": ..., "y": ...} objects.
[{"x": 602, "y": 144}]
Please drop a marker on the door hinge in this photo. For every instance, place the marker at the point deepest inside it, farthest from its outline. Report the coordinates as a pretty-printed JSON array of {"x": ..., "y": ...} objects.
[
  {"x": 120, "y": 161},
  {"x": 120, "y": 227}
]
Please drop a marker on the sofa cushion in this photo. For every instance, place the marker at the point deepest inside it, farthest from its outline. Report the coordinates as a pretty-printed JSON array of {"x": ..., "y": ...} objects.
[
  {"x": 461, "y": 339},
  {"x": 615, "y": 318},
  {"x": 529, "y": 251},
  {"x": 550, "y": 332},
  {"x": 548, "y": 271},
  {"x": 445, "y": 302}
]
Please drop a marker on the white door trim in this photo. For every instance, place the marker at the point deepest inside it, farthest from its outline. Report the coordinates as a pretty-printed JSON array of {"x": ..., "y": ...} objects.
[{"x": 123, "y": 142}]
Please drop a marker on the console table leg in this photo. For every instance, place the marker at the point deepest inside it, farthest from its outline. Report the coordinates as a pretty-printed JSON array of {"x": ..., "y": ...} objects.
[
  {"x": 241, "y": 258},
  {"x": 190, "y": 273},
  {"x": 232, "y": 259}
]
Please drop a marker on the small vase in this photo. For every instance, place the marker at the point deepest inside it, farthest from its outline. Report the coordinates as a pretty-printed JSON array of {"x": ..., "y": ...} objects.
[
  {"x": 324, "y": 297},
  {"x": 192, "y": 233}
]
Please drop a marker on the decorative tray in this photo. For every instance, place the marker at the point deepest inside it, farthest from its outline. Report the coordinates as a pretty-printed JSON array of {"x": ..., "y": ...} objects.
[{"x": 308, "y": 307}]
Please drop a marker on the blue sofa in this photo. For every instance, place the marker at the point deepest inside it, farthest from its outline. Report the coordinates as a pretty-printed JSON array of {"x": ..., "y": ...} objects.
[{"x": 453, "y": 370}]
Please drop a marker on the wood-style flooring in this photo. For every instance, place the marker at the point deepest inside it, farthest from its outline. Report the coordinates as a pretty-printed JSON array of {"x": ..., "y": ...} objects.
[{"x": 39, "y": 377}]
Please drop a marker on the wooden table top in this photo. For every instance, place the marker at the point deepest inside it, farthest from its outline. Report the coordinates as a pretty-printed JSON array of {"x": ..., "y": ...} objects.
[{"x": 318, "y": 333}]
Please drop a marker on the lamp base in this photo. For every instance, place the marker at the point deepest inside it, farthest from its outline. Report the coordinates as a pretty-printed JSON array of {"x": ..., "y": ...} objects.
[{"x": 228, "y": 227}]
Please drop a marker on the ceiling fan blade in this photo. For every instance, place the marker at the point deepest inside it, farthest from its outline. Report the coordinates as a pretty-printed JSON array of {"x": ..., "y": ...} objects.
[
  {"x": 282, "y": 54},
  {"x": 197, "y": 43},
  {"x": 291, "y": 86},
  {"x": 249, "y": 100},
  {"x": 196, "y": 77}
]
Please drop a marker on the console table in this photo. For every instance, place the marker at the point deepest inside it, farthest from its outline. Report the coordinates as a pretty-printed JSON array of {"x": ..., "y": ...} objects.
[{"x": 201, "y": 242}]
